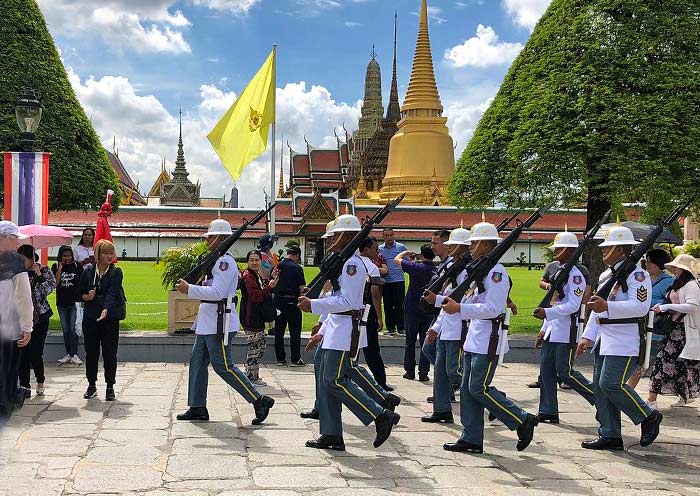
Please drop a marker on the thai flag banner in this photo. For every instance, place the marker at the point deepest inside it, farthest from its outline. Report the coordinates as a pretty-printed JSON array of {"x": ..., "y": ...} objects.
[{"x": 26, "y": 182}]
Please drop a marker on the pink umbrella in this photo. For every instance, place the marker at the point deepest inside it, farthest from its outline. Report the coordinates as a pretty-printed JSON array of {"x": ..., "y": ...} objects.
[{"x": 44, "y": 236}]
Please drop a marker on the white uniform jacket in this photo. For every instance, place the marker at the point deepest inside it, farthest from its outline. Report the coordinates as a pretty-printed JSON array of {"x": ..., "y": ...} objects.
[
  {"x": 373, "y": 276},
  {"x": 621, "y": 339},
  {"x": 338, "y": 328},
  {"x": 557, "y": 325},
  {"x": 223, "y": 284},
  {"x": 483, "y": 306},
  {"x": 448, "y": 327}
]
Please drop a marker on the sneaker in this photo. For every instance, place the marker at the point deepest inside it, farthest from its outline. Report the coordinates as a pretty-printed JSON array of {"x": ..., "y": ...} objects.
[
  {"x": 401, "y": 332},
  {"x": 75, "y": 360},
  {"x": 409, "y": 375},
  {"x": 109, "y": 393},
  {"x": 298, "y": 363},
  {"x": 64, "y": 360},
  {"x": 679, "y": 403},
  {"x": 282, "y": 363},
  {"x": 40, "y": 390},
  {"x": 652, "y": 405},
  {"x": 258, "y": 382},
  {"x": 91, "y": 392},
  {"x": 390, "y": 333}
]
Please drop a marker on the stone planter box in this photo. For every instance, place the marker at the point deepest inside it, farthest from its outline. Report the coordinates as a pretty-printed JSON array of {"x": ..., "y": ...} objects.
[{"x": 181, "y": 312}]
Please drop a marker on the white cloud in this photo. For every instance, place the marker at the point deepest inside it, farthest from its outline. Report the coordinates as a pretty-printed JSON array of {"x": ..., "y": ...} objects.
[
  {"x": 433, "y": 14},
  {"x": 526, "y": 13},
  {"x": 146, "y": 131},
  {"x": 462, "y": 120},
  {"x": 139, "y": 25},
  {"x": 352, "y": 24},
  {"x": 483, "y": 50}
]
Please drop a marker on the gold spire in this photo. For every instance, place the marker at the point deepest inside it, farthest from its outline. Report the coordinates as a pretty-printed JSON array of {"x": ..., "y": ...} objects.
[
  {"x": 461, "y": 223},
  {"x": 566, "y": 227},
  {"x": 422, "y": 90},
  {"x": 618, "y": 221},
  {"x": 483, "y": 216}
]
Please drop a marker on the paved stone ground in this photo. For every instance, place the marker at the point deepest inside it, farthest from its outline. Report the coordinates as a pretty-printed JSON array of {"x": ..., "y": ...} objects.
[{"x": 62, "y": 444}]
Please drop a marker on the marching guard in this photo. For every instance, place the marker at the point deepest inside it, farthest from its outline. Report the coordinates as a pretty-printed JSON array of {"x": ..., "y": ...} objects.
[
  {"x": 485, "y": 310},
  {"x": 217, "y": 307},
  {"x": 615, "y": 333}
]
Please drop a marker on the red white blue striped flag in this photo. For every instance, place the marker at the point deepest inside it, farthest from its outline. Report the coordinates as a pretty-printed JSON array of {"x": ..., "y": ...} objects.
[{"x": 26, "y": 182}]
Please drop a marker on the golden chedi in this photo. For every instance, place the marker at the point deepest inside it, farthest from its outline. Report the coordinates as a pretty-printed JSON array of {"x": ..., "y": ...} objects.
[{"x": 421, "y": 153}]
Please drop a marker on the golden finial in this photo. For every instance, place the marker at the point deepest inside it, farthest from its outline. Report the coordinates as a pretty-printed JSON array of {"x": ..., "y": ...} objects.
[
  {"x": 483, "y": 216},
  {"x": 219, "y": 213},
  {"x": 618, "y": 221},
  {"x": 461, "y": 223},
  {"x": 566, "y": 227}
]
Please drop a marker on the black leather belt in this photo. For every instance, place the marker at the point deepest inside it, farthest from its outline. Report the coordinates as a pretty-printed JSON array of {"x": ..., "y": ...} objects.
[{"x": 630, "y": 320}]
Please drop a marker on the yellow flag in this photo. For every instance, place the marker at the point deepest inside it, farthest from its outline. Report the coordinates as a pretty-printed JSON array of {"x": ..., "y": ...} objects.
[{"x": 241, "y": 134}]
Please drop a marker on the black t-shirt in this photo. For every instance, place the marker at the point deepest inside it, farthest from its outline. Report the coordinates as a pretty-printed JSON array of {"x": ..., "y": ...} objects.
[
  {"x": 291, "y": 277},
  {"x": 67, "y": 288}
]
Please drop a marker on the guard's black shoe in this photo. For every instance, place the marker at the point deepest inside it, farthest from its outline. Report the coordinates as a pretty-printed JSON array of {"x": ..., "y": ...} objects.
[
  {"x": 492, "y": 417},
  {"x": 439, "y": 418},
  {"x": 548, "y": 419},
  {"x": 409, "y": 375},
  {"x": 526, "y": 431},
  {"x": 195, "y": 413},
  {"x": 390, "y": 402},
  {"x": 463, "y": 447},
  {"x": 650, "y": 428},
  {"x": 262, "y": 409},
  {"x": 423, "y": 378},
  {"x": 91, "y": 392},
  {"x": 310, "y": 414},
  {"x": 387, "y": 387},
  {"x": 604, "y": 443},
  {"x": 384, "y": 424},
  {"x": 109, "y": 393},
  {"x": 324, "y": 441},
  {"x": 452, "y": 399},
  {"x": 534, "y": 385}
]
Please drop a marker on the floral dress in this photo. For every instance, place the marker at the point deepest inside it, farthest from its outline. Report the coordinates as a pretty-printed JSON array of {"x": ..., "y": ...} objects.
[{"x": 671, "y": 374}]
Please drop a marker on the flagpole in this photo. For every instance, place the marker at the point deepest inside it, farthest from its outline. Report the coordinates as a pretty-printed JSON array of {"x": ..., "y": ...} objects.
[{"x": 274, "y": 145}]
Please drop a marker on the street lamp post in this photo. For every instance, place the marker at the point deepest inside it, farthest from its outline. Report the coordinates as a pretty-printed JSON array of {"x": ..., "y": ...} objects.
[
  {"x": 28, "y": 111},
  {"x": 529, "y": 251}
]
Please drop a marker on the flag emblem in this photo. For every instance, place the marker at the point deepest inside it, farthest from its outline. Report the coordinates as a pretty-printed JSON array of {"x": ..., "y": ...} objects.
[
  {"x": 496, "y": 277},
  {"x": 639, "y": 276},
  {"x": 642, "y": 294},
  {"x": 223, "y": 266},
  {"x": 255, "y": 120},
  {"x": 351, "y": 270},
  {"x": 578, "y": 280}
]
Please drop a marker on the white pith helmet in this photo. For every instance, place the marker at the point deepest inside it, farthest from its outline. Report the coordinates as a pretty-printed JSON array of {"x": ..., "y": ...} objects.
[
  {"x": 565, "y": 240},
  {"x": 346, "y": 223},
  {"x": 619, "y": 236},
  {"x": 484, "y": 231},
  {"x": 219, "y": 227},
  {"x": 459, "y": 236},
  {"x": 329, "y": 229}
]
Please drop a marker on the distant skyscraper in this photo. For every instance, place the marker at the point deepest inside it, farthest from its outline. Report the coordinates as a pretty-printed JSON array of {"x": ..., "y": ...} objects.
[{"x": 234, "y": 197}]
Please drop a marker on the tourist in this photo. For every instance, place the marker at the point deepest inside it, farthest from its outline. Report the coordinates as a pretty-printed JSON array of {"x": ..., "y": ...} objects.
[
  {"x": 441, "y": 250},
  {"x": 254, "y": 291},
  {"x": 67, "y": 273},
  {"x": 420, "y": 270},
  {"x": 267, "y": 265},
  {"x": 16, "y": 318},
  {"x": 395, "y": 286},
  {"x": 676, "y": 369},
  {"x": 83, "y": 252},
  {"x": 372, "y": 297},
  {"x": 661, "y": 281},
  {"x": 105, "y": 305},
  {"x": 43, "y": 284},
  {"x": 291, "y": 282}
]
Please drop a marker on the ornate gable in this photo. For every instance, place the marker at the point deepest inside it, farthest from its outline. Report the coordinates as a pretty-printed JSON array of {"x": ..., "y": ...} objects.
[{"x": 317, "y": 211}]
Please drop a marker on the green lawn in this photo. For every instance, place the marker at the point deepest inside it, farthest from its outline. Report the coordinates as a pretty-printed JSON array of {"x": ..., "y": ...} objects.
[{"x": 148, "y": 309}]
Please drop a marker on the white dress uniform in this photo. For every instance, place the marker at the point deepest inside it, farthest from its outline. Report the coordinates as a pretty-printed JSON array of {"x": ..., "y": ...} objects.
[
  {"x": 557, "y": 325},
  {"x": 222, "y": 284},
  {"x": 483, "y": 306},
  {"x": 448, "y": 327}
]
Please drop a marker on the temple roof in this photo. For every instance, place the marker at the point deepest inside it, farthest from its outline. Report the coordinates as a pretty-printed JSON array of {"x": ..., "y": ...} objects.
[
  {"x": 130, "y": 191},
  {"x": 163, "y": 178}
]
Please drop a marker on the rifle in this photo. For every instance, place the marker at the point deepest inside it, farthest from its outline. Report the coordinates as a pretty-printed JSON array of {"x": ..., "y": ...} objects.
[
  {"x": 452, "y": 271},
  {"x": 332, "y": 264},
  {"x": 207, "y": 264},
  {"x": 478, "y": 269},
  {"x": 629, "y": 265},
  {"x": 562, "y": 275}
]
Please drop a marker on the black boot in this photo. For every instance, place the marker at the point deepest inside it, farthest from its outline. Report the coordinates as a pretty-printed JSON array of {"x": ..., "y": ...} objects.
[
  {"x": 650, "y": 428},
  {"x": 430, "y": 399},
  {"x": 604, "y": 443},
  {"x": 109, "y": 394},
  {"x": 463, "y": 447},
  {"x": 310, "y": 414},
  {"x": 548, "y": 419},
  {"x": 439, "y": 418},
  {"x": 384, "y": 424},
  {"x": 91, "y": 391},
  {"x": 492, "y": 417},
  {"x": 423, "y": 378},
  {"x": 390, "y": 402},
  {"x": 324, "y": 441},
  {"x": 262, "y": 409},
  {"x": 526, "y": 431},
  {"x": 195, "y": 413}
]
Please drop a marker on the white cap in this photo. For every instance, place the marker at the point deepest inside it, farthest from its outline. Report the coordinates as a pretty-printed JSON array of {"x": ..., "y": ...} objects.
[
  {"x": 619, "y": 236},
  {"x": 459, "y": 236},
  {"x": 346, "y": 223},
  {"x": 484, "y": 231},
  {"x": 219, "y": 227},
  {"x": 9, "y": 229},
  {"x": 329, "y": 229},
  {"x": 565, "y": 240}
]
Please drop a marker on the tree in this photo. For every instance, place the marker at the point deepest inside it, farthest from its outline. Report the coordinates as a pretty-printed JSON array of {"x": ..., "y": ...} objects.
[
  {"x": 80, "y": 172},
  {"x": 601, "y": 107}
]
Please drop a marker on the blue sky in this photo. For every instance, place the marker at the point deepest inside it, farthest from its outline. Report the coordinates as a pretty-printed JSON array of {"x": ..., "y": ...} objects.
[{"x": 133, "y": 63}]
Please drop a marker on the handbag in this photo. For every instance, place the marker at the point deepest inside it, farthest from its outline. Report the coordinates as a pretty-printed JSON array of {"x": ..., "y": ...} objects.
[
  {"x": 78, "y": 328},
  {"x": 122, "y": 304},
  {"x": 267, "y": 309},
  {"x": 663, "y": 321}
]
